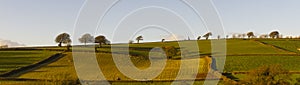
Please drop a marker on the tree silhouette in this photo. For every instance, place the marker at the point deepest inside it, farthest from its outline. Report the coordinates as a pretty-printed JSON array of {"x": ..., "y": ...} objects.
[
  {"x": 86, "y": 38},
  {"x": 162, "y": 40},
  {"x": 250, "y": 34},
  {"x": 139, "y": 38},
  {"x": 207, "y": 35},
  {"x": 64, "y": 38},
  {"x": 263, "y": 36},
  {"x": 101, "y": 39},
  {"x": 130, "y": 41},
  {"x": 274, "y": 34},
  {"x": 199, "y": 37},
  {"x": 244, "y": 35}
]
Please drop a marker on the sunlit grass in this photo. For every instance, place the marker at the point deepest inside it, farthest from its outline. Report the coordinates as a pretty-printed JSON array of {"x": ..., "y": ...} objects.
[{"x": 10, "y": 60}]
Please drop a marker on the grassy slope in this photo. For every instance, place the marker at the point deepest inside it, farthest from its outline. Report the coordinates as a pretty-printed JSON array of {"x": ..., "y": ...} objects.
[
  {"x": 250, "y": 47},
  {"x": 10, "y": 60},
  {"x": 290, "y": 45},
  {"x": 112, "y": 73},
  {"x": 233, "y": 63},
  {"x": 61, "y": 68},
  {"x": 245, "y": 63}
]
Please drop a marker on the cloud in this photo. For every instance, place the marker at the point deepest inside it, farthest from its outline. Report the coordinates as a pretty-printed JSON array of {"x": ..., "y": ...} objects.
[{"x": 10, "y": 43}]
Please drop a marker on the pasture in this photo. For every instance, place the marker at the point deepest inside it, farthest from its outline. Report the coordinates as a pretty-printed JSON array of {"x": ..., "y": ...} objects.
[
  {"x": 10, "y": 60},
  {"x": 286, "y": 44},
  {"x": 242, "y": 55}
]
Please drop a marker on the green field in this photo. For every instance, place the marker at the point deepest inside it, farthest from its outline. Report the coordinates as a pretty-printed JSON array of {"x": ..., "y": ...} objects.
[
  {"x": 246, "y": 63},
  {"x": 10, "y": 60},
  {"x": 289, "y": 45},
  {"x": 242, "y": 55}
]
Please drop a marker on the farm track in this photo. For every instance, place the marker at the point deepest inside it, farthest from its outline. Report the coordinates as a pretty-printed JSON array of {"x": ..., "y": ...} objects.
[{"x": 22, "y": 70}]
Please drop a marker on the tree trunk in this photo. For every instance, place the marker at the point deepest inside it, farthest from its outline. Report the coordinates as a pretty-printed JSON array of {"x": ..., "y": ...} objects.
[
  {"x": 96, "y": 49},
  {"x": 100, "y": 45},
  {"x": 59, "y": 45},
  {"x": 68, "y": 48}
]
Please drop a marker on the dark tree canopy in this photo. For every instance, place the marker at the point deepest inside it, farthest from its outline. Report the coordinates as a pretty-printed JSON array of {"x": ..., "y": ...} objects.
[
  {"x": 101, "y": 39},
  {"x": 274, "y": 34},
  {"x": 63, "y": 38},
  {"x": 207, "y": 35},
  {"x": 250, "y": 34},
  {"x": 86, "y": 38},
  {"x": 139, "y": 38},
  {"x": 199, "y": 37},
  {"x": 162, "y": 40}
]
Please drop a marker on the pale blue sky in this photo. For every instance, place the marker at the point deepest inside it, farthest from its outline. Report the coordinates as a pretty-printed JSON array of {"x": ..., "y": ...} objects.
[{"x": 37, "y": 22}]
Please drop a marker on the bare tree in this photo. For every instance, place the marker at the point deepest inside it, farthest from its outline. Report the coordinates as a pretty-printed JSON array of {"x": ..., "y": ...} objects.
[
  {"x": 234, "y": 36},
  {"x": 139, "y": 38},
  {"x": 250, "y": 34},
  {"x": 130, "y": 41},
  {"x": 274, "y": 34},
  {"x": 263, "y": 36},
  {"x": 244, "y": 35},
  {"x": 207, "y": 35},
  {"x": 86, "y": 38}
]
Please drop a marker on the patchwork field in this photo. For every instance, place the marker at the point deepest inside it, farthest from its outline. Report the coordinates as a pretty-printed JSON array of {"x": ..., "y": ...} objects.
[
  {"x": 10, "y": 60},
  {"x": 242, "y": 55}
]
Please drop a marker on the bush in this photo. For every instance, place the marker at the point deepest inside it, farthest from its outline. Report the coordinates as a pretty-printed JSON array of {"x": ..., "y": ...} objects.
[
  {"x": 268, "y": 75},
  {"x": 170, "y": 51},
  {"x": 298, "y": 81}
]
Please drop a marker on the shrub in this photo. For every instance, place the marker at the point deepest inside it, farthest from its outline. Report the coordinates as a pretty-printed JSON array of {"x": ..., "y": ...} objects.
[
  {"x": 170, "y": 51},
  {"x": 268, "y": 75}
]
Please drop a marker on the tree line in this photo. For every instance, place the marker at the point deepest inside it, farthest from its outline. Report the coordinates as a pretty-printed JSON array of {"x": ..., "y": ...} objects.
[
  {"x": 273, "y": 35},
  {"x": 64, "y": 38}
]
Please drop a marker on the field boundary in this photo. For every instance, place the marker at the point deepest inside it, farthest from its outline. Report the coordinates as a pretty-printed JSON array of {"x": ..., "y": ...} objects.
[
  {"x": 247, "y": 72},
  {"x": 29, "y": 48},
  {"x": 22, "y": 70},
  {"x": 273, "y": 46},
  {"x": 263, "y": 55}
]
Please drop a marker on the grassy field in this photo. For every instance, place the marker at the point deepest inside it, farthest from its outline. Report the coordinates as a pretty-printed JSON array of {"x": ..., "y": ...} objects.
[
  {"x": 64, "y": 69},
  {"x": 234, "y": 47},
  {"x": 243, "y": 55},
  {"x": 286, "y": 44},
  {"x": 245, "y": 63},
  {"x": 251, "y": 47},
  {"x": 10, "y": 60}
]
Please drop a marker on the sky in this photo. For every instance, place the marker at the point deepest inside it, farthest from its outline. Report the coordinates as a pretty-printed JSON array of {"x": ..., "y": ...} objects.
[{"x": 38, "y": 22}]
